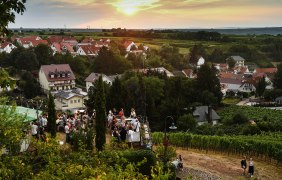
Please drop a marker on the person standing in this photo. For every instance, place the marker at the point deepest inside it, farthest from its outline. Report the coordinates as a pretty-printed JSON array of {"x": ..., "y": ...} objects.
[
  {"x": 67, "y": 131},
  {"x": 244, "y": 164},
  {"x": 251, "y": 167},
  {"x": 123, "y": 134},
  {"x": 130, "y": 136},
  {"x": 34, "y": 129},
  {"x": 180, "y": 164},
  {"x": 132, "y": 113}
]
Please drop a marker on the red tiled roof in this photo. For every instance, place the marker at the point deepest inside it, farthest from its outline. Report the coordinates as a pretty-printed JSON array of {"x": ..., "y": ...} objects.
[
  {"x": 188, "y": 72},
  {"x": 88, "y": 40},
  {"x": 90, "y": 49},
  {"x": 230, "y": 81},
  {"x": 68, "y": 46},
  {"x": 57, "y": 68},
  {"x": 37, "y": 42},
  {"x": 57, "y": 47},
  {"x": 266, "y": 70},
  {"x": 230, "y": 75},
  {"x": 127, "y": 43},
  {"x": 3, "y": 45}
]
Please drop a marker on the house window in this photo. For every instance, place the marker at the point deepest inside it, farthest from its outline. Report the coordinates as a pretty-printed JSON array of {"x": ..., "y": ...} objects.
[
  {"x": 71, "y": 101},
  {"x": 78, "y": 100},
  {"x": 74, "y": 101}
]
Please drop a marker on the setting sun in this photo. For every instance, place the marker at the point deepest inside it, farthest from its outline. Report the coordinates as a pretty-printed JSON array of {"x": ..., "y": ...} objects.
[
  {"x": 129, "y": 10},
  {"x": 130, "y": 7}
]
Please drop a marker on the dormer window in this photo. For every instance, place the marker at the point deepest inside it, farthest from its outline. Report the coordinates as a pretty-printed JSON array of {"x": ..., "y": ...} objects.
[
  {"x": 52, "y": 75},
  {"x": 68, "y": 74},
  {"x": 63, "y": 75}
]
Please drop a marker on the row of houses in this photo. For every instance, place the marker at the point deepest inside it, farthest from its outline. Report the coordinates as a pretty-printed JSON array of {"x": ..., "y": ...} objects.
[{"x": 63, "y": 44}]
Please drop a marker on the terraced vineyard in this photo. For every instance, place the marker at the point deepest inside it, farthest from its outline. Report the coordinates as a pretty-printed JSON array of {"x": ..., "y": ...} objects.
[
  {"x": 268, "y": 146},
  {"x": 262, "y": 116}
]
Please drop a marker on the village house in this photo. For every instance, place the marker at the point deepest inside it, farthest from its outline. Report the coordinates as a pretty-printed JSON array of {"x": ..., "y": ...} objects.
[
  {"x": 203, "y": 114},
  {"x": 248, "y": 86},
  {"x": 66, "y": 39},
  {"x": 222, "y": 67},
  {"x": 30, "y": 41},
  {"x": 95, "y": 76},
  {"x": 87, "y": 50},
  {"x": 71, "y": 100},
  {"x": 129, "y": 46},
  {"x": 7, "y": 47},
  {"x": 62, "y": 48},
  {"x": 239, "y": 61},
  {"x": 200, "y": 62},
  {"x": 189, "y": 73},
  {"x": 56, "y": 77}
]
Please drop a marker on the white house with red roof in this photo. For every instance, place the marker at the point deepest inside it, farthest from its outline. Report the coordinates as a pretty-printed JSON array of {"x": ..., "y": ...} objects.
[
  {"x": 56, "y": 77},
  {"x": 129, "y": 45},
  {"x": 87, "y": 50},
  {"x": 30, "y": 41},
  {"x": 7, "y": 47},
  {"x": 62, "y": 48}
]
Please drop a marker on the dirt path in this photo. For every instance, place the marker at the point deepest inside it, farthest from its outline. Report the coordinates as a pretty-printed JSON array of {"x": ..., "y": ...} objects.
[{"x": 217, "y": 166}]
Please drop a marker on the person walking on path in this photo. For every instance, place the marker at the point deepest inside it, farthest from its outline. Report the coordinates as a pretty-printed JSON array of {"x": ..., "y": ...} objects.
[
  {"x": 251, "y": 167},
  {"x": 244, "y": 165},
  {"x": 180, "y": 164}
]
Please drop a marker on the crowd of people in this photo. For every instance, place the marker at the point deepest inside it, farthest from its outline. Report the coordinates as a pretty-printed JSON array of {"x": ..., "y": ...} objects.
[
  {"x": 65, "y": 123},
  {"x": 122, "y": 128},
  {"x": 38, "y": 128}
]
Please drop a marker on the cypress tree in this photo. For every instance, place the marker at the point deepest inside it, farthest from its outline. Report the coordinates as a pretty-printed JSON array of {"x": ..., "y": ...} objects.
[
  {"x": 51, "y": 124},
  {"x": 100, "y": 107}
]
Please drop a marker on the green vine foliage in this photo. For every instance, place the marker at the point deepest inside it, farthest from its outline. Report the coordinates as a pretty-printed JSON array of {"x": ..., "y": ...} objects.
[{"x": 268, "y": 145}]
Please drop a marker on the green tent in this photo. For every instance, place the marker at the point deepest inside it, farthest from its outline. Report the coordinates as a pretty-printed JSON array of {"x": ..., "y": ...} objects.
[{"x": 28, "y": 113}]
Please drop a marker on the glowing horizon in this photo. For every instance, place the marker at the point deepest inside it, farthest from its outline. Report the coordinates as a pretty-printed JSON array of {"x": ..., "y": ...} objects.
[{"x": 147, "y": 14}]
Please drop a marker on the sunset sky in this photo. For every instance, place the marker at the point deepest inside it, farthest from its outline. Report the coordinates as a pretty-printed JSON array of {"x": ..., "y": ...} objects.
[{"x": 150, "y": 14}]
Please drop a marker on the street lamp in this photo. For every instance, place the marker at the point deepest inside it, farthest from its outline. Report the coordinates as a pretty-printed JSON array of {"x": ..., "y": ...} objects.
[
  {"x": 81, "y": 111},
  {"x": 165, "y": 142}
]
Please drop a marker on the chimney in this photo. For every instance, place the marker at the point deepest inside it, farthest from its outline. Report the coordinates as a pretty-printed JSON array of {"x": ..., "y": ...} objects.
[{"x": 210, "y": 114}]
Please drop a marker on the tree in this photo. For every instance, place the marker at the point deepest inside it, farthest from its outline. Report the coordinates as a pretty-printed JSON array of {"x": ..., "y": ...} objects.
[
  {"x": 231, "y": 63},
  {"x": 29, "y": 85},
  {"x": 195, "y": 53},
  {"x": 51, "y": 124},
  {"x": 277, "y": 81},
  {"x": 26, "y": 60},
  {"x": 5, "y": 80},
  {"x": 43, "y": 53},
  {"x": 207, "y": 80},
  {"x": 216, "y": 56},
  {"x": 11, "y": 127},
  {"x": 260, "y": 87},
  {"x": 109, "y": 63},
  {"x": 186, "y": 122},
  {"x": 239, "y": 118},
  {"x": 100, "y": 125},
  {"x": 8, "y": 9}
]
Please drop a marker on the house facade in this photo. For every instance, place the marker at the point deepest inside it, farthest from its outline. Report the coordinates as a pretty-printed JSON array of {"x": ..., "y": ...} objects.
[
  {"x": 95, "y": 76},
  {"x": 203, "y": 113},
  {"x": 87, "y": 50},
  {"x": 71, "y": 100},
  {"x": 7, "y": 47},
  {"x": 56, "y": 77},
  {"x": 239, "y": 61}
]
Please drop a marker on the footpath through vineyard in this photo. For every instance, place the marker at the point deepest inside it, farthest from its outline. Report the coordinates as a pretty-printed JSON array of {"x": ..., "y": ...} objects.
[{"x": 200, "y": 165}]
